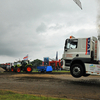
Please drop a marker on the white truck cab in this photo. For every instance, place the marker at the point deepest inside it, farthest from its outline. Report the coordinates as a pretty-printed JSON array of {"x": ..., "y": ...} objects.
[{"x": 81, "y": 55}]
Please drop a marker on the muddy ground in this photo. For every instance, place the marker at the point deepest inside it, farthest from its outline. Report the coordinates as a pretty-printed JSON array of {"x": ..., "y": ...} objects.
[{"x": 52, "y": 85}]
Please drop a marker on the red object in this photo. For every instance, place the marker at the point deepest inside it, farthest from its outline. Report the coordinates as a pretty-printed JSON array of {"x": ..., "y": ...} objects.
[
  {"x": 54, "y": 63},
  {"x": 12, "y": 69},
  {"x": 18, "y": 70},
  {"x": 26, "y": 57},
  {"x": 29, "y": 69},
  {"x": 86, "y": 45}
]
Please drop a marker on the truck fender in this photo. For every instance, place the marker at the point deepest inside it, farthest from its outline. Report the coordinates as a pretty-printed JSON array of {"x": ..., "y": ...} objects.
[{"x": 78, "y": 61}]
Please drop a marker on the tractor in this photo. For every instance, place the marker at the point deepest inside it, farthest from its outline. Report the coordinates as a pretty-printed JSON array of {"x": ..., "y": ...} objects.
[{"x": 23, "y": 65}]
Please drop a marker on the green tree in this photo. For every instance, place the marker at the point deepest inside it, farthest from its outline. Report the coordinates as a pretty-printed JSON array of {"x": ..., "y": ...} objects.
[{"x": 36, "y": 62}]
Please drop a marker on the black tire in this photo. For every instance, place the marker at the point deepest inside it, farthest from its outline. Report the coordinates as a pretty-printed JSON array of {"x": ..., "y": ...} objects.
[
  {"x": 85, "y": 75},
  {"x": 77, "y": 70},
  {"x": 12, "y": 68},
  {"x": 28, "y": 68}
]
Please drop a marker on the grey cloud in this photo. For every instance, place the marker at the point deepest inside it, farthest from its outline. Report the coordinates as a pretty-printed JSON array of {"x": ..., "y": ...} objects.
[
  {"x": 21, "y": 20},
  {"x": 41, "y": 28},
  {"x": 98, "y": 17},
  {"x": 56, "y": 27}
]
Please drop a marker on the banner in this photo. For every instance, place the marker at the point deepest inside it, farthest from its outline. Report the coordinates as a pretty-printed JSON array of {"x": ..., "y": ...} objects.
[
  {"x": 46, "y": 61},
  {"x": 26, "y": 57}
]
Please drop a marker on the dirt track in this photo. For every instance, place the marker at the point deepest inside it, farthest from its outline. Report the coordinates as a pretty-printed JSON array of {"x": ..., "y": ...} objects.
[{"x": 53, "y": 85}]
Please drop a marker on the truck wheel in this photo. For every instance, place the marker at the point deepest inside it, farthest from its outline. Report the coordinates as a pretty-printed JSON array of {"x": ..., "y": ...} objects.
[
  {"x": 29, "y": 69},
  {"x": 76, "y": 70},
  {"x": 18, "y": 70},
  {"x": 85, "y": 75},
  {"x": 12, "y": 69}
]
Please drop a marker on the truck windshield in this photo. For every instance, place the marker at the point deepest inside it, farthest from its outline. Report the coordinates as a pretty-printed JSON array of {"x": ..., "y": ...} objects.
[{"x": 71, "y": 44}]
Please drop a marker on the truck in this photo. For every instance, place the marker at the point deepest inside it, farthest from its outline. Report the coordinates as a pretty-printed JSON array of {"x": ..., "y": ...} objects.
[
  {"x": 81, "y": 56},
  {"x": 23, "y": 65}
]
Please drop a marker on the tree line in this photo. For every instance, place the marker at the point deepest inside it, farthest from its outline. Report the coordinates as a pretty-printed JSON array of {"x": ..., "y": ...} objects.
[{"x": 36, "y": 62}]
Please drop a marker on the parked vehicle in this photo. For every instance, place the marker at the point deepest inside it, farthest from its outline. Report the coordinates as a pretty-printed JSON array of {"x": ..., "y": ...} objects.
[{"x": 23, "y": 65}]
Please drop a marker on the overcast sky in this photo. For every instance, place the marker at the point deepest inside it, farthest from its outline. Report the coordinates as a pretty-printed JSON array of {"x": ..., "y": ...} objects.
[{"x": 39, "y": 27}]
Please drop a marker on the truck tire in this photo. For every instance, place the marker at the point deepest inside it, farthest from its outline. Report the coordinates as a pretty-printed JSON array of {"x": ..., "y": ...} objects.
[
  {"x": 18, "y": 69},
  {"x": 85, "y": 75},
  {"x": 12, "y": 69},
  {"x": 28, "y": 69},
  {"x": 77, "y": 70}
]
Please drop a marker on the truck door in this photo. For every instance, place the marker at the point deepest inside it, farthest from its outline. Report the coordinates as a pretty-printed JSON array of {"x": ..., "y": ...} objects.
[{"x": 70, "y": 50}]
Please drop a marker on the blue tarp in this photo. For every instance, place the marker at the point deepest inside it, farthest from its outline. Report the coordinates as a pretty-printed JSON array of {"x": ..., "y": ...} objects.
[{"x": 45, "y": 68}]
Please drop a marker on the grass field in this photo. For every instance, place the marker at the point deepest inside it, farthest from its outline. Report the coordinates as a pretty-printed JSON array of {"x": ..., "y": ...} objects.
[
  {"x": 9, "y": 95},
  {"x": 60, "y": 71},
  {"x": 36, "y": 70}
]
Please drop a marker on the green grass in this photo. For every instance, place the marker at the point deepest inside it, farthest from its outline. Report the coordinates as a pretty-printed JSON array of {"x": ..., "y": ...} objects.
[
  {"x": 8, "y": 95},
  {"x": 36, "y": 70},
  {"x": 60, "y": 71}
]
